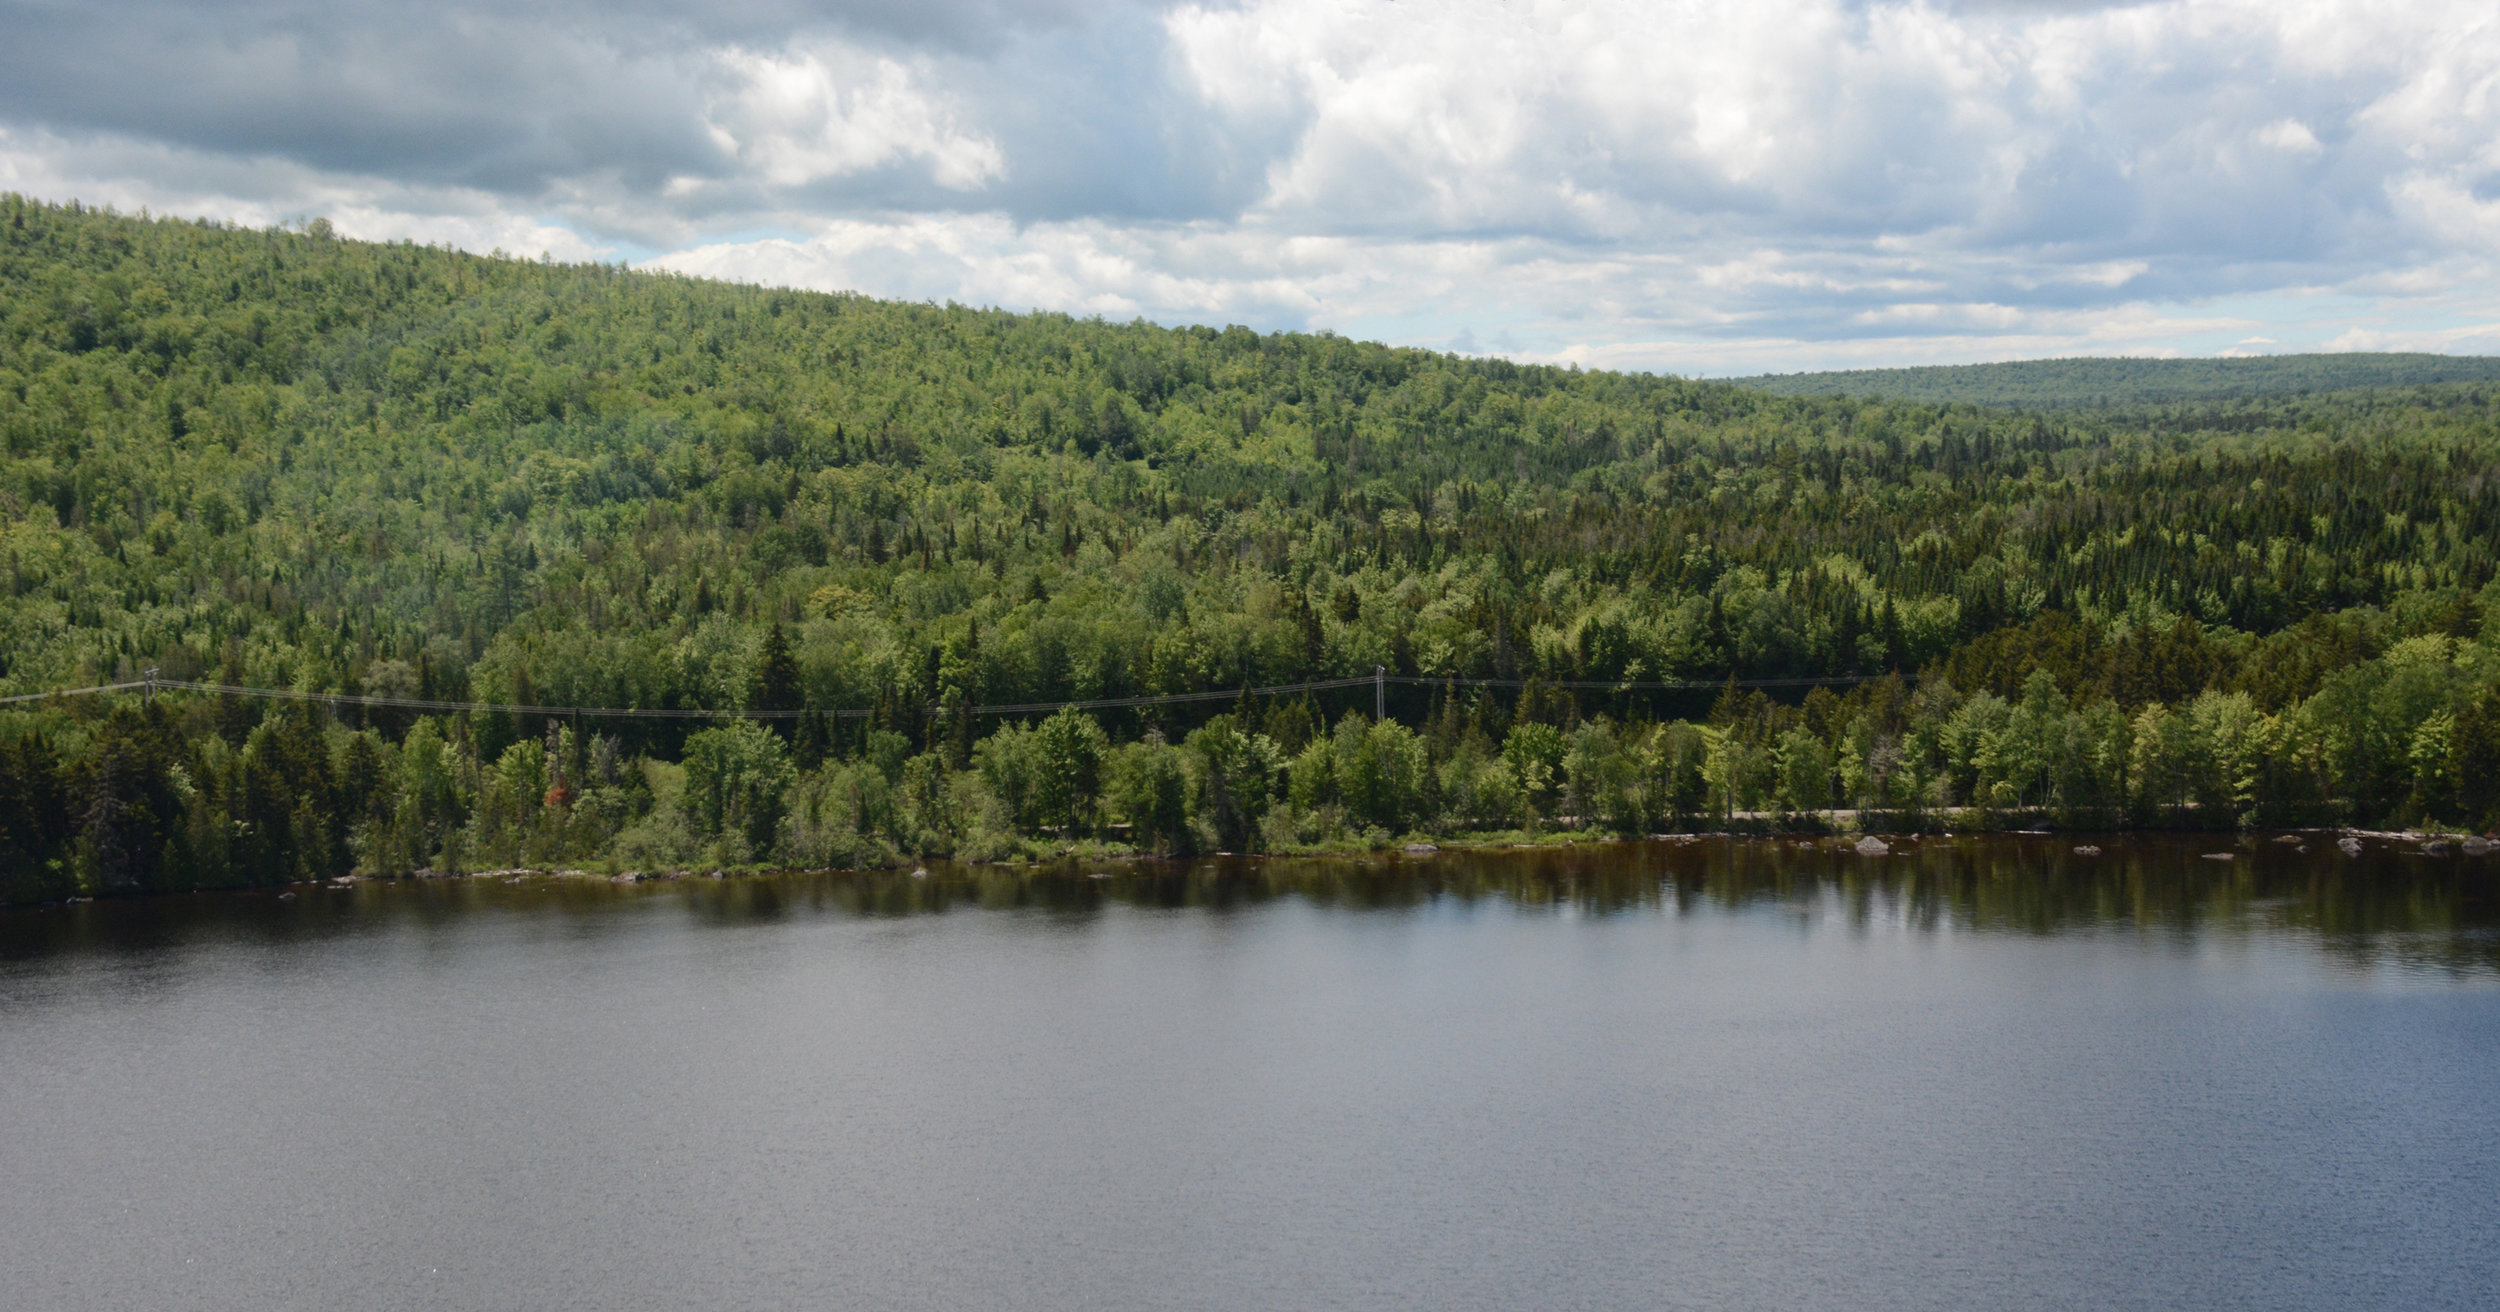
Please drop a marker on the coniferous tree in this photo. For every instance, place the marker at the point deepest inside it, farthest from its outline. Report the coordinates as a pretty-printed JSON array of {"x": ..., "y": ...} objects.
[
  {"x": 330, "y": 467},
  {"x": 776, "y": 683}
]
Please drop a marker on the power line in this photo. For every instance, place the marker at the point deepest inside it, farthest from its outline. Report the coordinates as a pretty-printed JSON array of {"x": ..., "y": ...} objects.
[
  {"x": 1645, "y": 685},
  {"x": 429, "y": 704},
  {"x": 72, "y": 692},
  {"x": 1375, "y": 680},
  {"x": 1211, "y": 695}
]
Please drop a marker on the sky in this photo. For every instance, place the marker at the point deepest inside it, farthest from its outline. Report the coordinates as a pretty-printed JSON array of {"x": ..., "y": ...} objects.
[{"x": 1700, "y": 187}]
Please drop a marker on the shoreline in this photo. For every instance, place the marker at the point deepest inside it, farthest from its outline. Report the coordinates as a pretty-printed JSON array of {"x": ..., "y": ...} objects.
[{"x": 1866, "y": 844}]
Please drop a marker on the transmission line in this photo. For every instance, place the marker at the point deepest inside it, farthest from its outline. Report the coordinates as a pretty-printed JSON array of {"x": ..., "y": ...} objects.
[
  {"x": 72, "y": 692},
  {"x": 155, "y": 683}
]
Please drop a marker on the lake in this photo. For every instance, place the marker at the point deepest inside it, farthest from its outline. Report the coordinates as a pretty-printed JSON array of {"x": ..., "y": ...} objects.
[{"x": 1976, "y": 1073}]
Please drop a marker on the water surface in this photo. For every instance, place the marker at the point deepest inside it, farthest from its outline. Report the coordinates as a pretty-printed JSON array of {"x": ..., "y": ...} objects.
[{"x": 1979, "y": 1074}]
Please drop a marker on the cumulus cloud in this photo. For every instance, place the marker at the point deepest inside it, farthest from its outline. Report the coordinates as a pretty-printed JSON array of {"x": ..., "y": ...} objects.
[
  {"x": 1696, "y": 185},
  {"x": 804, "y": 116}
]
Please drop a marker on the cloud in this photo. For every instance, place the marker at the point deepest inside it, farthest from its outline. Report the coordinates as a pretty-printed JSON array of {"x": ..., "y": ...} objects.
[
  {"x": 1670, "y": 183},
  {"x": 802, "y": 117},
  {"x": 485, "y": 99},
  {"x": 1524, "y": 296},
  {"x": 133, "y": 175},
  {"x": 2291, "y": 136}
]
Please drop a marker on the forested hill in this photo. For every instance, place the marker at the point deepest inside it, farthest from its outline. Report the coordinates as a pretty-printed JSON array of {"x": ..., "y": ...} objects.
[
  {"x": 2096, "y": 381},
  {"x": 281, "y": 460}
]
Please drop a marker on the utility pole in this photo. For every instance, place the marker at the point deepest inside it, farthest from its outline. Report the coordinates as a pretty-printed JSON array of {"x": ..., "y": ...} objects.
[
  {"x": 147, "y": 695},
  {"x": 1380, "y": 692}
]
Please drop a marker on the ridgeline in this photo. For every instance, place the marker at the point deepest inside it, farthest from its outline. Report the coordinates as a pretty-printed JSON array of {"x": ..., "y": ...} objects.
[
  {"x": 2104, "y": 382},
  {"x": 278, "y": 459}
]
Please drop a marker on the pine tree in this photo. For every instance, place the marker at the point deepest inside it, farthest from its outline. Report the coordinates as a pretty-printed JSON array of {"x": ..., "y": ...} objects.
[{"x": 776, "y": 688}]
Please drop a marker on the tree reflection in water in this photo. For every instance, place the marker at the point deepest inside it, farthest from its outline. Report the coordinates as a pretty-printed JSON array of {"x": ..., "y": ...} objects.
[{"x": 2390, "y": 905}]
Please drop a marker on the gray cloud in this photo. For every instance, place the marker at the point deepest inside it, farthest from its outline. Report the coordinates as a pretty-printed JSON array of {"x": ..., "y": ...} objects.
[
  {"x": 488, "y": 101},
  {"x": 1577, "y": 177},
  {"x": 524, "y": 98}
]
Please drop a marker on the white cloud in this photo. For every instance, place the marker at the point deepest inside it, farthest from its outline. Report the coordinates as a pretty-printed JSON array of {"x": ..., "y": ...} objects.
[
  {"x": 137, "y": 175},
  {"x": 2469, "y": 339},
  {"x": 1184, "y": 272},
  {"x": 1602, "y": 119},
  {"x": 801, "y": 116},
  {"x": 1681, "y": 184},
  {"x": 2291, "y": 136},
  {"x": 2445, "y": 208},
  {"x": 1528, "y": 297}
]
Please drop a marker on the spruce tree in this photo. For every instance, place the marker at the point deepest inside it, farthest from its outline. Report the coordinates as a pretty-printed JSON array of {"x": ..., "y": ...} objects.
[{"x": 776, "y": 679}]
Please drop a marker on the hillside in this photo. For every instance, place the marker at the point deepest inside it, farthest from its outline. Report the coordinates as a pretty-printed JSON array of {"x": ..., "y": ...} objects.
[
  {"x": 279, "y": 460},
  {"x": 2121, "y": 382}
]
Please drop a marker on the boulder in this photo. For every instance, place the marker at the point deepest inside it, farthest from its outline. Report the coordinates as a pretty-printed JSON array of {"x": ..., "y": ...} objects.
[
  {"x": 1872, "y": 846},
  {"x": 2350, "y": 844}
]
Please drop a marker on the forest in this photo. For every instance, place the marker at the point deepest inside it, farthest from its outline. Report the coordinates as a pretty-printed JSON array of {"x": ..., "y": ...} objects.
[
  {"x": 2082, "y": 381},
  {"x": 278, "y": 459}
]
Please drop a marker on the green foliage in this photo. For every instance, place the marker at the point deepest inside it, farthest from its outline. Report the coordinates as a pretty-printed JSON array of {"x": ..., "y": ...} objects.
[
  {"x": 735, "y": 778},
  {"x": 1805, "y": 770},
  {"x": 1383, "y": 776},
  {"x": 1237, "y": 773},
  {"x": 1534, "y": 753},
  {"x": 128, "y": 775},
  {"x": 35, "y": 821},
  {"x": 1150, "y": 791},
  {"x": 841, "y": 816},
  {"x": 2106, "y": 381},
  {"x": 1068, "y": 752},
  {"x": 282, "y": 460},
  {"x": 776, "y": 675}
]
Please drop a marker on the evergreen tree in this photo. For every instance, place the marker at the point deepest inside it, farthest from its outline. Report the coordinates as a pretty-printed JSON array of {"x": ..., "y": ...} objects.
[
  {"x": 333, "y": 467},
  {"x": 776, "y": 683}
]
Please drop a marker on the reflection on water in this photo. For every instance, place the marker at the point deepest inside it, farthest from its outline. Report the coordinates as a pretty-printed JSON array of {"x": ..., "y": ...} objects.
[
  {"x": 2389, "y": 904},
  {"x": 1983, "y": 1073}
]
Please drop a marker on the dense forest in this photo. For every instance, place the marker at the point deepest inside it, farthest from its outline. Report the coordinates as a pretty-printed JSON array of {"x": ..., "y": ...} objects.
[
  {"x": 2120, "y": 381},
  {"x": 281, "y": 460}
]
